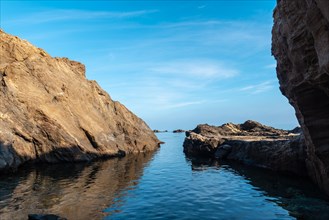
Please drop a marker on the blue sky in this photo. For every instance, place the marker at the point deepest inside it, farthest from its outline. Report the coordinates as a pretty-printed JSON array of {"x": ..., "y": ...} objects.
[{"x": 175, "y": 64}]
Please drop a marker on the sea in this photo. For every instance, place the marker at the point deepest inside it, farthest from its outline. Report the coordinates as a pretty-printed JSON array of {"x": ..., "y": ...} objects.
[{"x": 165, "y": 184}]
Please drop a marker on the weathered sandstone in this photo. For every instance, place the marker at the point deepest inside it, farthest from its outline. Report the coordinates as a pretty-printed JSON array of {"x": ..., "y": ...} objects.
[
  {"x": 50, "y": 112},
  {"x": 300, "y": 44},
  {"x": 250, "y": 143}
]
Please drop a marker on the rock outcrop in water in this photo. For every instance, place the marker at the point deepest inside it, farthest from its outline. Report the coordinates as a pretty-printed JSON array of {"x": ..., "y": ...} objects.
[
  {"x": 300, "y": 44},
  {"x": 50, "y": 112},
  {"x": 250, "y": 143}
]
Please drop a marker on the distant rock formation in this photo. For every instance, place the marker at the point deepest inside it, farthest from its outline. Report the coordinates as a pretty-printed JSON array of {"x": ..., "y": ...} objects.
[
  {"x": 158, "y": 131},
  {"x": 300, "y": 44},
  {"x": 178, "y": 131},
  {"x": 50, "y": 112},
  {"x": 250, "y": 143}
]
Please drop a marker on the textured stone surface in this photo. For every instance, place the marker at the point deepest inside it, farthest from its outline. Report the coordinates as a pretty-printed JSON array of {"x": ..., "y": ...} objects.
[
  {"x": 50, "y": 112},
  {"x": 300, "y": 44},
  {"x": 250, "y": 143}
]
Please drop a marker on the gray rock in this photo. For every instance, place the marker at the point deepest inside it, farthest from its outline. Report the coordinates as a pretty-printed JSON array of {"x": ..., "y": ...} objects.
[
  {"x": 300, "y": 44},
  {"x": 223, "y": 151},
  {"x": 250, "y": 143},
  {"x": 45, "y": 217}
]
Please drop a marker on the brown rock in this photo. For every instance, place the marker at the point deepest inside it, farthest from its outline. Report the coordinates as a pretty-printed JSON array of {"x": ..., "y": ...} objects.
[
  {"x": 300, "y": 44},
  {"x": 250, "y": 143},
  {"x": 51, "y": 112}
]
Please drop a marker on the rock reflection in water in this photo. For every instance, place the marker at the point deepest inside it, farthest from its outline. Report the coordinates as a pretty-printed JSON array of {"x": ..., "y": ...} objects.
[
  {"x": 74, "y": 191},
  {"x": 297, "y": 195}
]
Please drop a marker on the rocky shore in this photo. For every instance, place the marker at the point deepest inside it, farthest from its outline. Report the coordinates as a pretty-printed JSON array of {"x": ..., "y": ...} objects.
[
  {"x": 51, "y": 113},
  {"x": 250, "y": 143}
]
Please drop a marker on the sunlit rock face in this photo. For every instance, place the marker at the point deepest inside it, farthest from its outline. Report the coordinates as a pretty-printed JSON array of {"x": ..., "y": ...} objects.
[
  {"x": 300, "y": 44},
  {"x": 50, "y": 112}
]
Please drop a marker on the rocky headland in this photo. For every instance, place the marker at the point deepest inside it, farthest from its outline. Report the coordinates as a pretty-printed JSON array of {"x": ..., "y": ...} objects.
[
  {"x": 50, "y": 112},
  {"x": 250, "y": 143},
  {"x": 300, "y": 44}
]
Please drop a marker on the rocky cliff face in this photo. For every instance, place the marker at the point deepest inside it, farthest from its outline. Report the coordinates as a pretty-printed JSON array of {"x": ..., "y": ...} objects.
[
  {"x": 50, "y": 112},
  {"x": 300, "y": 45}
]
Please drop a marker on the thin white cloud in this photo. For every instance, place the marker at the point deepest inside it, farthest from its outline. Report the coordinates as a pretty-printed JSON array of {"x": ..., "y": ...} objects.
[
  {"x": 271, "y": 66},
  {"x": 202, "y": 6},
  {"x": 67, "y": 15},
  {"x": 183, "y": 104},
  {"x": 258, "y": 88},
  {"x": 189, "y": 23},
  {"x": 195, "y": 68}
]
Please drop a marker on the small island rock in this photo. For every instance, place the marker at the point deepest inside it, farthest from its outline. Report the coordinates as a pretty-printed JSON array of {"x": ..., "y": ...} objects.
[{"x": 250, "y": 143}]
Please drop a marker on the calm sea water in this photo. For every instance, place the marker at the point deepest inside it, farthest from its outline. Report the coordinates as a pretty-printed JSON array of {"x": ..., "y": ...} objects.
[{"x": 160, "y": 185}]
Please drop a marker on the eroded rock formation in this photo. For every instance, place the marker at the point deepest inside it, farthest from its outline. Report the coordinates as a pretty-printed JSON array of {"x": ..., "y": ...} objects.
[
  {"x": 51, "y": 112},
  {"x": 300, "y": 44},
  {"x": 250, "y": 143}
]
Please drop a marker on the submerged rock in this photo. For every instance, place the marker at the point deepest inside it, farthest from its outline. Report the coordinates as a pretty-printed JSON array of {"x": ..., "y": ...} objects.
[
  {"x": 300, "y": 44},
  {"x": 44, "y": 217},
  {"x": 50, "y": 112},
  {"x": 250, "y": 143}
]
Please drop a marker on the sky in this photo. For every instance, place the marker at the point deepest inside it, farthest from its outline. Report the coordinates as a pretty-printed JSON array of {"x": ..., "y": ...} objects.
[{"x": 175, "y": 64}]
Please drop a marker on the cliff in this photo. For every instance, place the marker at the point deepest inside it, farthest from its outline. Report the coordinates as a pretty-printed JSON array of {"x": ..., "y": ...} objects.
[
  {"x": 300, "y": 44},
  {"x": 50, "y": 112}
]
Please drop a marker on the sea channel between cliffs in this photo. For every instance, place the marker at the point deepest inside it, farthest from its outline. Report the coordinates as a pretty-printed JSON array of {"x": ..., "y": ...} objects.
[
  {"x": 165, "y": 184},
  {"x": 55, "y": 125}
]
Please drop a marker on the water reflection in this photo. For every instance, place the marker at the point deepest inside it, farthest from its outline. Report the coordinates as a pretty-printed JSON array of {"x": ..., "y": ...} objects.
[
  {"x": 297, "y": 195},
  {"x": 75, "y": 191}
]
